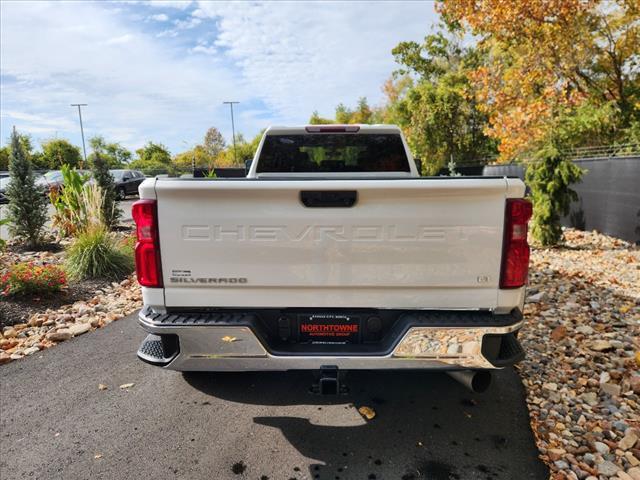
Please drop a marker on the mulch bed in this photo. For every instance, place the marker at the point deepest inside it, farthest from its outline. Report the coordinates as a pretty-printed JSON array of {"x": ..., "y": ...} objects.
[{"x": 16, "y": 310}]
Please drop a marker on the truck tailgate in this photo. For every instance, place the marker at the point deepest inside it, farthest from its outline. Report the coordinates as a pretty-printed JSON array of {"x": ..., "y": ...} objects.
[{"x": 405, "y": 243}]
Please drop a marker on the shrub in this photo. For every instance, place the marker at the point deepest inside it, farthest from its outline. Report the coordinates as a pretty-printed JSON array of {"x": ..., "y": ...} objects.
[
  {"x": 67, "y": 202},
  {"x": 27, "y": 210},
  {"x": 26, "y": 278},
  {"x": 549, "y": 178},
  {"x": 110, "y": 211},
  {"x": 95, "y": 253},
  {"x": 79, "y": 205}
]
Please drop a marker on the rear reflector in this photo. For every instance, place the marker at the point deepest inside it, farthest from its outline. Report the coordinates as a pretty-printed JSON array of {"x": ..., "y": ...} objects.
[
  {"x": 515, "y": 248},
  {"x": 147, "y": 252},
  {"x": 332, "y": 128}
]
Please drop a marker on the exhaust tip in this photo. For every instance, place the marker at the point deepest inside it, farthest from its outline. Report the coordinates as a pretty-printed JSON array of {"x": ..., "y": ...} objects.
[{"x": 480, "y": 381}]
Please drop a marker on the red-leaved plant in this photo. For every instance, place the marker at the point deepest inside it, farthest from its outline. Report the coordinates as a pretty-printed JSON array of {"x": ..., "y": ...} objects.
[{"x": 27, "y": 278}]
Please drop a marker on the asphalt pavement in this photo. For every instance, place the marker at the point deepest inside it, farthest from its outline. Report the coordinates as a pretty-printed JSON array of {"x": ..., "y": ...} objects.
[{"x": 56, "y": 424}]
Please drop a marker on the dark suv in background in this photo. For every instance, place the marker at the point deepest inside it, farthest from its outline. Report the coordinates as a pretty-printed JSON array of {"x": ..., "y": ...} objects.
[{"x": 127, "y": 182}]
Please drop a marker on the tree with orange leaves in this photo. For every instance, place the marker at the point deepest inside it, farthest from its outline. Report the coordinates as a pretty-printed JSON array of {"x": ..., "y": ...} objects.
[{"x": 547, "y": 60}]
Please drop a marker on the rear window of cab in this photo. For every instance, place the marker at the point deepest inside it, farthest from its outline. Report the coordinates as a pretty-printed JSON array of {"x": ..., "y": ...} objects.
[{"x": 330, "y": 153}]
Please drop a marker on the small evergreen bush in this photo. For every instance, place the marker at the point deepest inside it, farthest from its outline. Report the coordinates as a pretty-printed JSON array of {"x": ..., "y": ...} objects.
[
  {"x": 549, "y": 178},
  {"x": 95, "y": 253},
  {"x": 28, "y": 278},
  {"x": 27, "y": 209},
  {"x": 110, "y": 211}
]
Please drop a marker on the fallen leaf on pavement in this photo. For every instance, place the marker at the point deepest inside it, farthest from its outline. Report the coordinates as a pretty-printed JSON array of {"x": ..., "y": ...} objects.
[
  {"x": 367, "y": 412},
  {"x": 102, "y": 386},
  {"x": 227, "y": 338},
  {"x": 97, "y": 456},
  {"x": 126, "y": 385}
]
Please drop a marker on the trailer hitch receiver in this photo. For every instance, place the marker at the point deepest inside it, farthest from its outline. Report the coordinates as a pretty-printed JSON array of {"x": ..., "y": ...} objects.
[{"x": 329, "y": 382}]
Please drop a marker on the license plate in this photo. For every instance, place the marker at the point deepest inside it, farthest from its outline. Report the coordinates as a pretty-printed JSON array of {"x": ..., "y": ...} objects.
[{"x": 328, "y": 328}]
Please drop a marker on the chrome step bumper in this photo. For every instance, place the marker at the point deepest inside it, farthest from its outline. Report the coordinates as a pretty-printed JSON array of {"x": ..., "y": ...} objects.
[{"x": 227, "y": 342}]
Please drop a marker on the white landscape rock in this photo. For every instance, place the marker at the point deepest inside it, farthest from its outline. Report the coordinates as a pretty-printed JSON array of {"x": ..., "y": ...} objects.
[
  {"x": 629, "y": 440},
  {"x": 79, "y": 328},
  {"x": 59, "y": 336},
  {"x": 30, "y": 350},
  {"x": 537, "y": 298}
]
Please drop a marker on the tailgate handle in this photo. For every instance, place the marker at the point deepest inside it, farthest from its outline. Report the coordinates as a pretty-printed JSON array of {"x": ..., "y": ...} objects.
[{"x": 329, "y": 198}]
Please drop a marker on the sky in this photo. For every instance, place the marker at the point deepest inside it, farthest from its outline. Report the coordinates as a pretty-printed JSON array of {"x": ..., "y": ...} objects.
[{"x": 160, "y": 70}]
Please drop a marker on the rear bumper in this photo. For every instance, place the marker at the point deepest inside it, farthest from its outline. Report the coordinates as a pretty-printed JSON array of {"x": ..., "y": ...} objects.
[{"x": 229, "y": 341}]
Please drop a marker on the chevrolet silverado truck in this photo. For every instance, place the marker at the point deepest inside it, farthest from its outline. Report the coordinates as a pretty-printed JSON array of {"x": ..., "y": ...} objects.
[{"x": 333, "y": 253}]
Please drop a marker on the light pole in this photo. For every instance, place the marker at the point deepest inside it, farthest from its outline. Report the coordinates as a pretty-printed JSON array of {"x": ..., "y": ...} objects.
[
  {"x": 233, "y": 131},
  {"x": 84, "y": 148}
]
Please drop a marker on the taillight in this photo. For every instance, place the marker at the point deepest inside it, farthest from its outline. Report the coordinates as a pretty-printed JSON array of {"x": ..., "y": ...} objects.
[
  {"x": 147, "y": 253},
  {"x": 515, "y": 249}
]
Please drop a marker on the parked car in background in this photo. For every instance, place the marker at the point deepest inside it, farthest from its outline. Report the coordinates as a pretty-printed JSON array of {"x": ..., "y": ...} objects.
[
  {"x": 4, "y": 185},
  {"x": 4, "y": 174},
  {"x": 127, "y": 182},
  {"x": 53, "y": 180}
]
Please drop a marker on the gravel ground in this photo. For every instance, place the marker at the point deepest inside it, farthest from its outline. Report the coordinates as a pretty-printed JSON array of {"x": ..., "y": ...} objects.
[{"x": 582, "y": 342}]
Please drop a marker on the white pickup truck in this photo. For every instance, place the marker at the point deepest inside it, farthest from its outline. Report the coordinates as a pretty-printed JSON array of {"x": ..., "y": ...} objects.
[{"x": 333, "y": 253}]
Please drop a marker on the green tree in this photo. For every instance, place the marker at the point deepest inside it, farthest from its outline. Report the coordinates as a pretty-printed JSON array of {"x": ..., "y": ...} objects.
[
  {"x": 27, "y": 210},
  {"x": 111, "y": 213},
  {"x": 198, "y": 155},
  {"x": 549, "y": 176},
  {"x": 35, "y": 158},
  {"x": 5, "y": 153},
  {"x": 153, "y": 158},
  {"x": 114, "y": 154},
  {"x": 363, "y": 112},
  {"x": 438, "y": 110},
  {"x": 245, "y": 150},
  {"x": 58, "y": 151},
  {"x": 316, "y": 119},
  {"x": 213, "y": 142}
]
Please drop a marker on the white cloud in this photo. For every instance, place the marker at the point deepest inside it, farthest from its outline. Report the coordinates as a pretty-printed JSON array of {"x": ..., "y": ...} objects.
[
  {"x": 41, "y": 124},
  {"x": 122, "y": 39},
  {"x": 160, "y": 17},
  {"x": 300, "y": 58},
  {"x": 281, "y": 60},
  {"x": 151, "y": 88},
  {"x": 204, "y": 49},
  {"x": 178, "y": 4},
  {"x": 187, "y": 24},
  {"x": 167, "y": 33}
]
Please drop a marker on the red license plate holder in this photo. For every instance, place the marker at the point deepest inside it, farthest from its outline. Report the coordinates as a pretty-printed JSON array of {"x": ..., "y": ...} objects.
[{"x": 328, "y": 328}]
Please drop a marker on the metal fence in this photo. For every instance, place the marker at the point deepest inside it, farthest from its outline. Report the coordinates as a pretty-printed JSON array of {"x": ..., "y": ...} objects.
[{"x": 609, "y": 197}]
